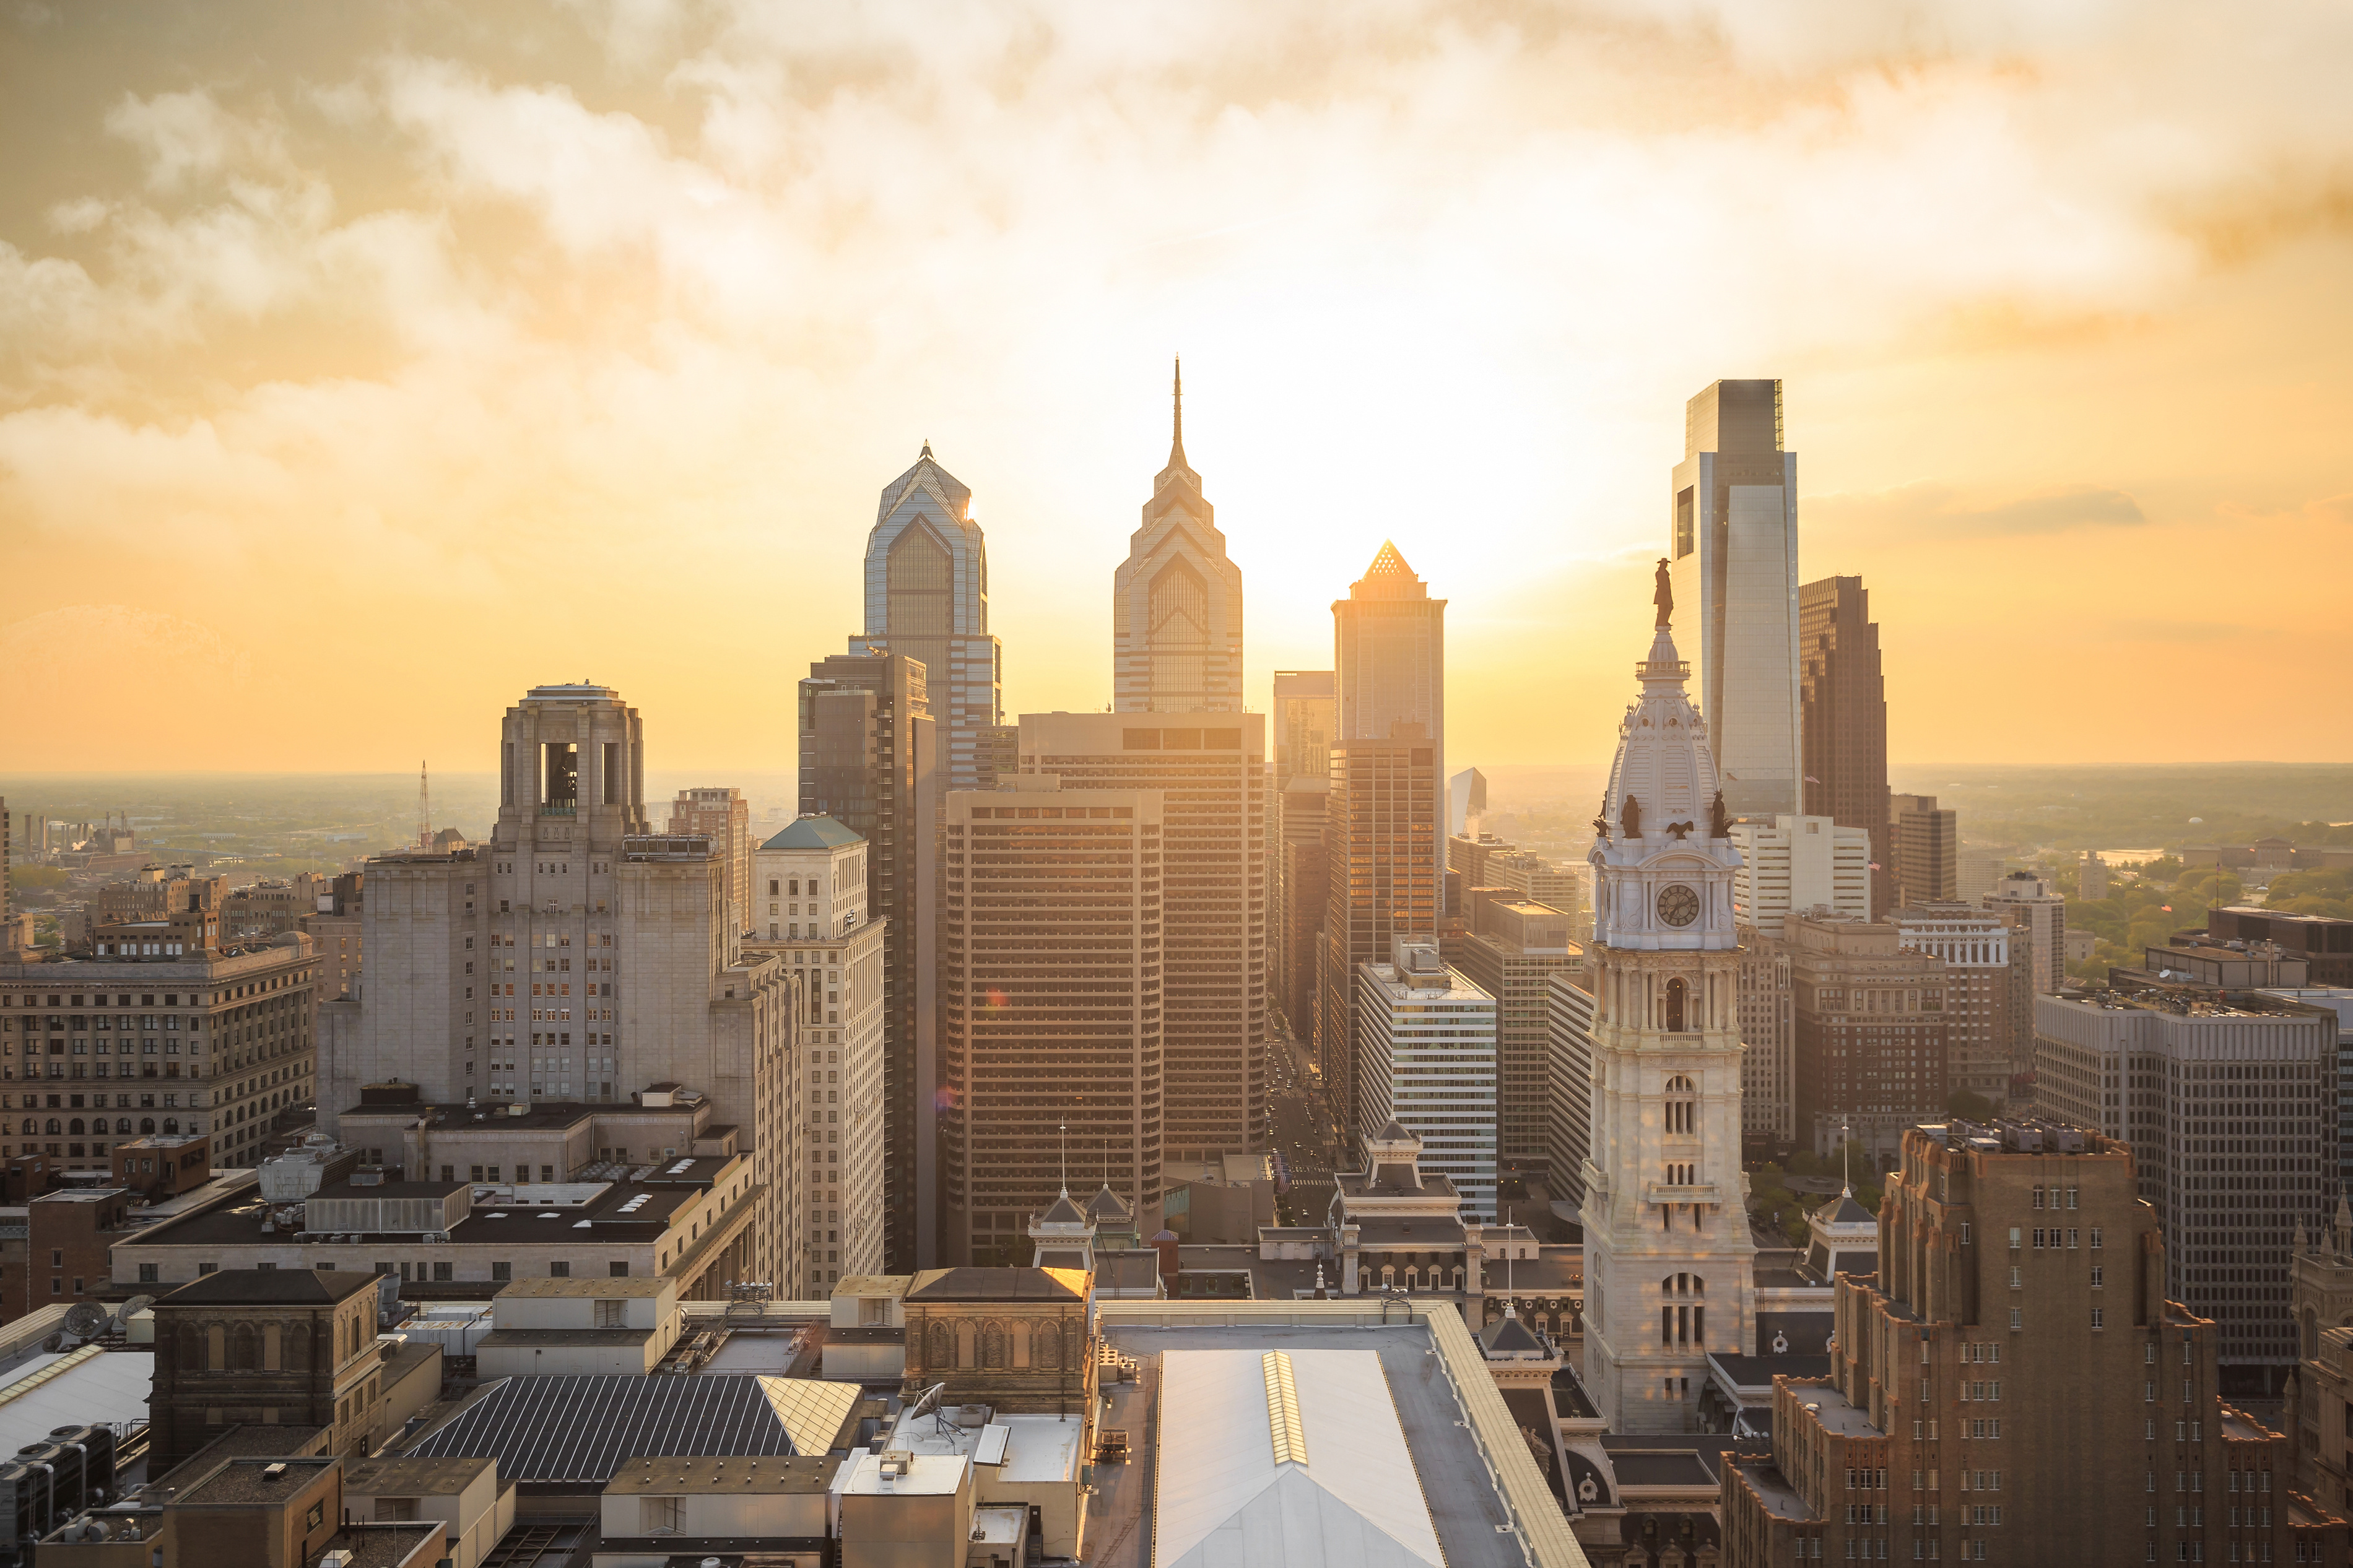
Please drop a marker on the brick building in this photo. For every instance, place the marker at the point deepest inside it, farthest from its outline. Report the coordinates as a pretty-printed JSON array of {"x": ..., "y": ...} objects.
[
  {"x": 2013, "y": 1386},
  {"x": 1869, "y": 1033},
  {"x": 255, "y": 1347}
]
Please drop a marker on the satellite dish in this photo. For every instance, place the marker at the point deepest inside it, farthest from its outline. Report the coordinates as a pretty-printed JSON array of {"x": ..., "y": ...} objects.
[
  {"x": 86, "y": 1319},
  {"x": 133, "y": 1307},
  {"x": 54, "y": 1342}
]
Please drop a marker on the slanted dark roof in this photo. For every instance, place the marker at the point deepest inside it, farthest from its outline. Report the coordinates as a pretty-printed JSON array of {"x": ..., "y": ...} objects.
[
  {"x": 1509, "y": 1335},
  {"x": 1395, "y": 1132},
  {"x": 1065, "y": 1212},
  {"x": 819, "y": 832},
  {"x": 270, "y": 1288},
  {"x": 1850, "y": 1212},
  {"x": 1106, "y": 1205},
  {"x": 1758, "y": 1371},
  {"x": 582, "y": 1428},
  {"x": 998, "y": 1285}
]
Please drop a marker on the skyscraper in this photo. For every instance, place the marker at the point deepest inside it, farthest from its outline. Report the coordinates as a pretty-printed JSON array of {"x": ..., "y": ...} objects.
[
  {"x": 1511, "y": 950},
  {"x": 1051, "y": 948},
  {"x": 1668, "y": 1263},
  {"x": 724, "y": 817},
  {"x": 2033, "y": 905},
  {"x": 1388, "y": 650},
  {"x": 1209, "y": 770},
  {"x": 1927, "y": 850},
  {"x": 1843, "y": 717},
  {"x": 1306, "y": 712},
  {"x": 869, "y": 759},
  {"x": 575, "y": 957},
  {"x": 1789, "y": 865},
  {"x": 1380, "y": 853},
  {"x": 820, "y": 924},
  {"x": 1176, "y": 601},
  {"x": 1429, "y": 1062},
  {"x": 1733, "y": 548},
  {"x": 1873, "y": 1033},
  {"x": 927, "y": 597}
]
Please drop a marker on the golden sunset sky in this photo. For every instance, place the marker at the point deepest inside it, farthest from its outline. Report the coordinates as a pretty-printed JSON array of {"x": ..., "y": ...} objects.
[{"x": 363, "y": 366}]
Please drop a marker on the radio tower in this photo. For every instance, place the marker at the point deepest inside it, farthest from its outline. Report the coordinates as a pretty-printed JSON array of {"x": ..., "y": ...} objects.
[{"x": 423, "y": 810}]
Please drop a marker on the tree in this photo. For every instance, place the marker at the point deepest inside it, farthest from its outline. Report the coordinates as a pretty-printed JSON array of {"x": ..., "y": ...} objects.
[{"x": 1969, "y": 1105}]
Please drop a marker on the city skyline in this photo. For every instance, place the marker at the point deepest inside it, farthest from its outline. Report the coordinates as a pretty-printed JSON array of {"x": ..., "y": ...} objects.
[{"x": 321, "y": 318}]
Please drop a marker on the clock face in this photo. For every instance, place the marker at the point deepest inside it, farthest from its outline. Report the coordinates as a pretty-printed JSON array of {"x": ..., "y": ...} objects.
[{"x": 1678, "y": 905}]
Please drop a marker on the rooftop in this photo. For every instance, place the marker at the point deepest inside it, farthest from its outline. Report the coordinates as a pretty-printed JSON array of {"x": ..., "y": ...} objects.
[
  {"x": 406, "y": 1476},
  {"x": 1393, "y": 1404},
  {"x": 970, "y": 1284},
  {"x": 601, "y": 1290},
  {"x": 269, "y": 1287},
  {"x": 254, "y": 1480},
  {"x": 582, "y": 1428},
  {"x": 818, "y": 831},
  {"x": 699, "y": 1473}
]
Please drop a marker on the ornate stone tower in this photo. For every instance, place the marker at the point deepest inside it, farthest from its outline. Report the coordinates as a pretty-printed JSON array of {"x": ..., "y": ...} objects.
[{"x": 1668, "y": 1268}]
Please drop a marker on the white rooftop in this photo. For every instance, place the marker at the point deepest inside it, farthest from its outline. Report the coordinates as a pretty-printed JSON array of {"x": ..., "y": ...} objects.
[
  {"x": 1349, "y": 1494},
  {"x": 928, "y": 1475},
  {"x": 98, "y": 1385},
  {"x": 1027, "y": 1448}
]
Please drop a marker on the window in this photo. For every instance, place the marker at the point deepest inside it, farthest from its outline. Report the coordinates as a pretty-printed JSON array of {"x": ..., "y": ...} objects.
[
  {"x": 2016, "y": 1319},
  {"x": 559, "y": 1269},
  {"x": 147, "y": 1274},
  {"x": 612, "y": 1314},
  {"x": 657, "y": 1515},
  {"x": 502, "y": 1272},
  {"x": 316, "y": 1517},
  {"x": 2099, "y": 1319},
  {"x": 618, "y": 1269}
]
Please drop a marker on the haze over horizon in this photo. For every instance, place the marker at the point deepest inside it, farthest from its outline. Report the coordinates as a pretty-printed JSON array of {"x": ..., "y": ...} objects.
[{"x": 359, "y": 371}]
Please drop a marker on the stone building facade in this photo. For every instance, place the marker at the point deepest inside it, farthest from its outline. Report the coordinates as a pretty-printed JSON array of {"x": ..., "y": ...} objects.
[
  {"x": 240, "y": 1347},
  {"x": 1020, "y": 1339},
  {"x": 2012, "y": 1385}
]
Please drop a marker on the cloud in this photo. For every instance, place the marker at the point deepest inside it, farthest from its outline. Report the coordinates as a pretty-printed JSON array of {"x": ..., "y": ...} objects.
[{"x": 1929, "y": 508}]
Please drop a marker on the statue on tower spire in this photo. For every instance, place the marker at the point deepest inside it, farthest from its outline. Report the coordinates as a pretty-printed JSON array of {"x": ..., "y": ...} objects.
[{"x": 1663, "y": 595}]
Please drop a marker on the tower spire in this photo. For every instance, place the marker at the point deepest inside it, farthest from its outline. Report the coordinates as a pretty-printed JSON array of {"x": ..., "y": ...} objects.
[
  {"x": 1176, "y": 438},
  {"x": 424, "y": 809}
]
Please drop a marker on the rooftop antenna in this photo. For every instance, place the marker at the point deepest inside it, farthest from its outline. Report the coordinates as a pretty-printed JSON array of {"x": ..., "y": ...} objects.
[
  {"x": 1065, "y": 1130},
  {"x": 1846, "y": 1161},
  {"x": 424, "y": 809}
]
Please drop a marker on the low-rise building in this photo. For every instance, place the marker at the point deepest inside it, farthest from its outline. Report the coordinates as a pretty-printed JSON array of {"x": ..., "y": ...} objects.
[
  {"x": 579, "y": 1327},
  {"x": 473, "y": 1506},
  {"x": 659, "y": 1508}
]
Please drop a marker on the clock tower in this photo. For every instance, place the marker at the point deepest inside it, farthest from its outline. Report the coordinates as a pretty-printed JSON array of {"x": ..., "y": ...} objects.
[{"x": 1668, "y": 1263}]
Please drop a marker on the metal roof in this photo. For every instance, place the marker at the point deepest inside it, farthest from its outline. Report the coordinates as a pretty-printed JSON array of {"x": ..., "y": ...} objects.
[{"x": 582, "y": 1429}]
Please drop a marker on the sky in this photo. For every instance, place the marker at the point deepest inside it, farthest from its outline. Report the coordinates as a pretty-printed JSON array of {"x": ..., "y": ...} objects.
[{"x": 363, "y": 366}]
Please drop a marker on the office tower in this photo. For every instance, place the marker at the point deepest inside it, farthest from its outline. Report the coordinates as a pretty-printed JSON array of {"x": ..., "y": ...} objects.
[
  {"x": 339, "y": 928},
  {"x": 870, "y": 759},
  {"x": 1429, "y": 1065},
  {"x": 1484, "y": 860},
  {"x": 2026, "y": 901},
  {"x": 219, "y": 1042},
  {"x": 1050, "y": 947},
  {"x": 1209, "y": 770},
  {"x": 927, "y": 598},
  {"x": 1871, "y": 1033},
  {"x": 1843, "y": 714},
  {"x": 1793, "y": 865},
  {"x": 1733, "y": 563},
  {"x": 1300, "y": 901},
  {"x": 1388, "y": 650},
  {"x": 1511, "y": 950},
  {"x": 1981, "y": 1045},
  {"x": 999, "y": 749},
  {"x": 6, "y": 909},
  {"x": 2092, "y": 876},
  {"x": 1666, "y": 1232},
  {"x": 2229, "y": 1106},
  {"x": 1380, "y": 856},
  {"x": 1927, "y": 850},
  {"x": 1295, "y": 897},
  {"x": 1305, "y": 714},
  {"x": 2015, "y": 1384},
  {"x": 1767, "y": 1011},
  {"x": 1466, "y": 802},
  {"x": 723, "y": 817},
  {"x": 814, "y": 885},
  {"x": 1176, "y": 601},
  {"x": 1569, "y": 1077},
  {"x": 573, "y": 958}
]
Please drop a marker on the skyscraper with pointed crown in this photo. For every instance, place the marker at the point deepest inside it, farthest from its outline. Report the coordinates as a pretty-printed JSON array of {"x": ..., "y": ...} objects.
[
  {"x": 1177, "y": 616},
  {"x": 927, "y": 597},
  {"x": 1668, "y": 1263}
]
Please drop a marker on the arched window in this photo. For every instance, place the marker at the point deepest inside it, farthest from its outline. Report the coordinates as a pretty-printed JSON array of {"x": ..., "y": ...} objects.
[
  {"x": 1046, "y": 1348},
  {"x": 54, "y": 1126},
  {"x": 74, "y": 1127},
  {"x": 992, "y": 1346},
  {"x": 29, "y": 1126},
  {"x": 170, "y": 1124},
  {"x": 146, "y": 1124},
  {"x": 1682, "y": 1105},
  {"x": 122, "y": 1124},
  {"x": 1675, "y": 994}
]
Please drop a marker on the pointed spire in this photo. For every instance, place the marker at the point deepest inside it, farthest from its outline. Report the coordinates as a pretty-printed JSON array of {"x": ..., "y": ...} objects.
[
  {"x": 1177, "y": 438},
  {"x": 927, "y": 449}
]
